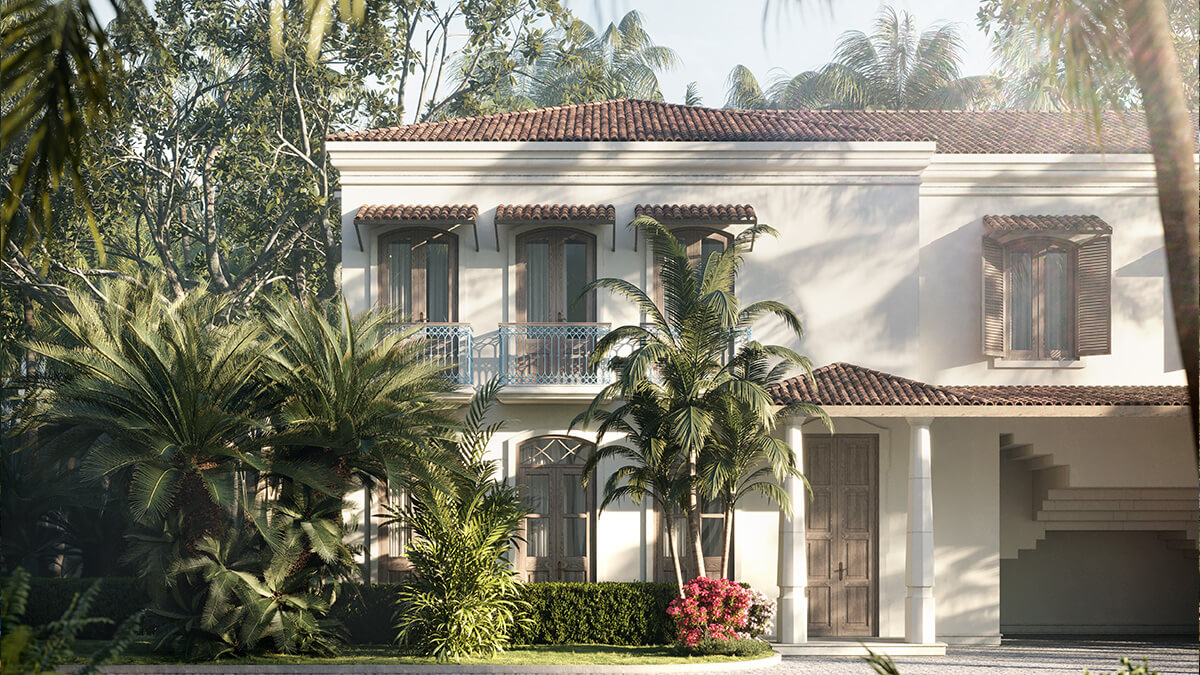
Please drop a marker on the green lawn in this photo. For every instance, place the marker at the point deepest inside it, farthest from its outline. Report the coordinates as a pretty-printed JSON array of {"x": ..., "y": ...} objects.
[{"x": 588, "y": 655}]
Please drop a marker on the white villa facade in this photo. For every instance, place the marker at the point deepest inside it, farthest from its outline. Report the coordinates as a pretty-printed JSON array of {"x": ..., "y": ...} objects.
[{"x": 986, "y": 294}]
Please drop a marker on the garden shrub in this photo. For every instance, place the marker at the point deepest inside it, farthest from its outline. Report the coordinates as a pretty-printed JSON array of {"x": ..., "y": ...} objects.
[
  {"x": 614, "y": 613},
  {"x": 711, "y": 608},
  {"x": 741, "y": 647},
  {"x": 117, "y": 599},
  {"x": 608, "y": 613}
]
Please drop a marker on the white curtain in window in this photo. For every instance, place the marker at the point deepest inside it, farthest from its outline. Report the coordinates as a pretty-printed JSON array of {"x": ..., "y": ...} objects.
[
  {"x": 400, "y": 281},
  {"x": 1059, "y": 318},
  {"x": 437, "y": 285},
  {"x": 537, "y": 281}
]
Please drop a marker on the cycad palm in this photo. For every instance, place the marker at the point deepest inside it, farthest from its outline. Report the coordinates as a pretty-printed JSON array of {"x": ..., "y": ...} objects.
[
  {"x": 159, "y": 394},
  {"x": 680, "y": 356}
]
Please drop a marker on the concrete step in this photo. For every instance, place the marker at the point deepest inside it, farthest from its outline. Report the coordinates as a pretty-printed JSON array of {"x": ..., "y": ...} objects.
[
  {"x": 1123, "y": 493},
  {"x": 1180, "y": 516},
  {"x": 1120, "y": 526},
  {"x": 1118, "y": 504}
]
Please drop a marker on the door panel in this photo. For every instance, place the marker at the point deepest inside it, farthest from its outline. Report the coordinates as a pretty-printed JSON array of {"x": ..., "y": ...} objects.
[
  {"x": 558, "y": 529},
  {"x": 842, "y": 534}
]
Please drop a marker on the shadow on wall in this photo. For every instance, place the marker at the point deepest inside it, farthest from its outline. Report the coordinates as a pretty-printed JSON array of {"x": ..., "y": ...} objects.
[
  {"x": 956, "y": 287},
  {"x": 1152, "y": 265},
  {"x": 1121, "y": 583},
  {"x": 856, "y": 293}
]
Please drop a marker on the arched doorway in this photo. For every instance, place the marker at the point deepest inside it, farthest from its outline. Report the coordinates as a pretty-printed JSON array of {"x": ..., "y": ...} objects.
[{"x": 559, "y": 531}]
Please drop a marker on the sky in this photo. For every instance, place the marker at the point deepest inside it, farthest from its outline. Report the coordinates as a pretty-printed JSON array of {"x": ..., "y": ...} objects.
[{"x": 712, "y": 36}]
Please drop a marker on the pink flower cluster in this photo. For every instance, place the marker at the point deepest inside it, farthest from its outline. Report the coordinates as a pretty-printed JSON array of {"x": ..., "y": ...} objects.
[{"x": 713, "y": 608}]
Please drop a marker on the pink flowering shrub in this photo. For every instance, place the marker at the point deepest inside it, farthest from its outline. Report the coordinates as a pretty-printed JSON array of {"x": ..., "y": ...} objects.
[{"x": 713, "y": 608}]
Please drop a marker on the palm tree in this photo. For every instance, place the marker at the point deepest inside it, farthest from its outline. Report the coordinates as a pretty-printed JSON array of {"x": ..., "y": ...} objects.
[
  {"x": 680, "y": 356},
  {"x": 893, "y": 68},
  {"x": 652, "y": 466},
  {"x": 622, "y": 62},
  {"x": 159, "y": 397},
  {"x": 743, "y": 458}
]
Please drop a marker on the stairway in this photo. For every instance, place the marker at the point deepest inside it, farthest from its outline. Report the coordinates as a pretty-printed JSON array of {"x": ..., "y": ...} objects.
[{"x": 1056, "y": 506}]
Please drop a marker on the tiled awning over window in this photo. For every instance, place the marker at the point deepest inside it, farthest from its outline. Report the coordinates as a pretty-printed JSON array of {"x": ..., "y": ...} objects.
[
  {"x": 844, "y": 384},
  {"x": 576, "y": 214},
  {"x": 416, "y": 215},
  {"x": 1047, "y": 224},
  {"x": 697, "y": 213},
  {"x": 556, "y": 213}
]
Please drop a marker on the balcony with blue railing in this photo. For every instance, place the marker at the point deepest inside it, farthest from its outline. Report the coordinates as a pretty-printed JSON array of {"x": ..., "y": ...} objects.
[
  {"x": 450, "y": 345},
  {"x": 533, "y": 354}
]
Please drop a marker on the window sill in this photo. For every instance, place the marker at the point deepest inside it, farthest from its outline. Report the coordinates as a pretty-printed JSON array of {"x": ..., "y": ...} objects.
[{"x": 1073, "y": 364}]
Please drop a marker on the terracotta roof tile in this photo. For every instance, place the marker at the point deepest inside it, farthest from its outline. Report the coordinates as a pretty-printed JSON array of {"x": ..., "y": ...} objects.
[
  {"x": 713, "y": 213},
  {"x": 847, "y": 384},
  {"x": 1084, "y": 224},
  {"x": 393, "y": 213},
  {"x": 558, "y": 213},
  {"x": 955, "y": 131}
]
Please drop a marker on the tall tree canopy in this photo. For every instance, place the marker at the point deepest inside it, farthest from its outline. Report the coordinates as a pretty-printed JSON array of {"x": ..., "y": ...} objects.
[{"x": 894, "y": 67}]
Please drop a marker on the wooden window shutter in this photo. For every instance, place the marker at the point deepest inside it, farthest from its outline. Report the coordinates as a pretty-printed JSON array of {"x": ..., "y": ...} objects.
[
  {"x": 1094, "y": 305},
  {"x": 993, "y": 298}
]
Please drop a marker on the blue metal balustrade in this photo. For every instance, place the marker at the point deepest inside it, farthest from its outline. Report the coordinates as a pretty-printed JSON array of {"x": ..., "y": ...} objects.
[
  {"x": 449, "y": 345},
  {"x": 551, "y": 353}
]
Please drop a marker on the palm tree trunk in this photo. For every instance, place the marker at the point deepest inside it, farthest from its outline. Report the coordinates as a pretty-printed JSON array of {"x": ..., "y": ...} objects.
[
  {"x": 674, "y": 554},
  {"x": 1158, "y": 76},
  {"x": 727, "y": 539},
  {"x": 693, "y": 516}
]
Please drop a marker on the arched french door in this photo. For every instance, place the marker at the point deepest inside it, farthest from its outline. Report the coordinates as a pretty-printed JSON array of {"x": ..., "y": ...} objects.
[{"x": 559, "y": 531}]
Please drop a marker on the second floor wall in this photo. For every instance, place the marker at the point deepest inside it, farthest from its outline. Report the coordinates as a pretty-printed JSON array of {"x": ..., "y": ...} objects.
[{"x": 882, "y": 260}]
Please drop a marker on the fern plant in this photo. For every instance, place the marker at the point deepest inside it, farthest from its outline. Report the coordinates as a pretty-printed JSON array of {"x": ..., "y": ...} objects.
[
  {"x": 40, "y": 650},
  {"x": 464, "y": 598}
]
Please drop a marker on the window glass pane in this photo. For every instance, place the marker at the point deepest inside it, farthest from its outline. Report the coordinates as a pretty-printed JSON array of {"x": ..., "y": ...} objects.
[
  {"x": 710, "y": 536},
  {"x": 713, "y": 506},
  {"x": 574, "y": 537},
  {"x": 537, "y": 281},
  {"x": 537, "y": 494},
  {"x": 574, "y": 499},
  {"x": 400, "y": 278},
  {"x": 397, "y": 536},
  {"x": 708, "y": 247},
  {"x": 680, "y": 533},
  {"x": 537, "y": 537},
  {"x": 1020, "y": 301},
  {"x": 576, "y": 272},
  {"x": 1059, "y": 320},
  {"x": 437, "y": 284}
]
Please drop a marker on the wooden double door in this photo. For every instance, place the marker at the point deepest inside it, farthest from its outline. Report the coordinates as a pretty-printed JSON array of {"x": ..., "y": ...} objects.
[
  {"x": 558, "y": 537},
  {"x": 842, "y": 524}
]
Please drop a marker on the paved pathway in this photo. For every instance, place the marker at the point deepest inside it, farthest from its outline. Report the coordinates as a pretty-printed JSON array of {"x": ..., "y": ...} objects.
[{"x": 1015, "y": 657}]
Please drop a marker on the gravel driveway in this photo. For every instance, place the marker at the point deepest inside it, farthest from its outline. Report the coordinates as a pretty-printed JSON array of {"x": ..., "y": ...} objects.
[{"x": 1015, "y": 657}]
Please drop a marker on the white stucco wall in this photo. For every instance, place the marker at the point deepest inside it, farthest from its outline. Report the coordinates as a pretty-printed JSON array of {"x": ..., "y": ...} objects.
[{"x": 879, "y": 254}]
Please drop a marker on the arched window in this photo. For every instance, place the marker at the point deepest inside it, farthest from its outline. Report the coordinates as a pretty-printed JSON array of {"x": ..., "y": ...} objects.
[
  {"x": 418, "y": 274},
  {"x": 700, "y": 242},
  {"x": 559, "y": 532},
  {"x": 553, "y": 266}
]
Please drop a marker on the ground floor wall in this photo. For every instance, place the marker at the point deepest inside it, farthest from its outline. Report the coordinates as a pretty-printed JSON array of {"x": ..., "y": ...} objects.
[{"x": 975, "y": 510}]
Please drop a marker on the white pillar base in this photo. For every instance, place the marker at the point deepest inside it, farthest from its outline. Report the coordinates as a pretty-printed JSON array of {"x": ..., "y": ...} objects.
[
  {"x": 791, "y": 616},
  {"x": 919, "y": 624}
]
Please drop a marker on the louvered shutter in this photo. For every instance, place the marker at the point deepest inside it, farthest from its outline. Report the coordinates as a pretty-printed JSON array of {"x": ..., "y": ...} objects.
[
  {"x": 993, "y": 297},
  {"x": 1094, "y": 306}
]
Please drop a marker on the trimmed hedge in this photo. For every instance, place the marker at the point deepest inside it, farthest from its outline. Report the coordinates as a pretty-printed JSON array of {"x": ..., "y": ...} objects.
[
  {"x": 118, "y": 599},
  {"x": 609, "y": 613}
]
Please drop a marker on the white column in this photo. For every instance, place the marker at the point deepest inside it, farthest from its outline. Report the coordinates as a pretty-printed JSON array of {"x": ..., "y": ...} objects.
[
  {"x": 792, "y": 618},
  {"x": 919, "y": 625}
]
